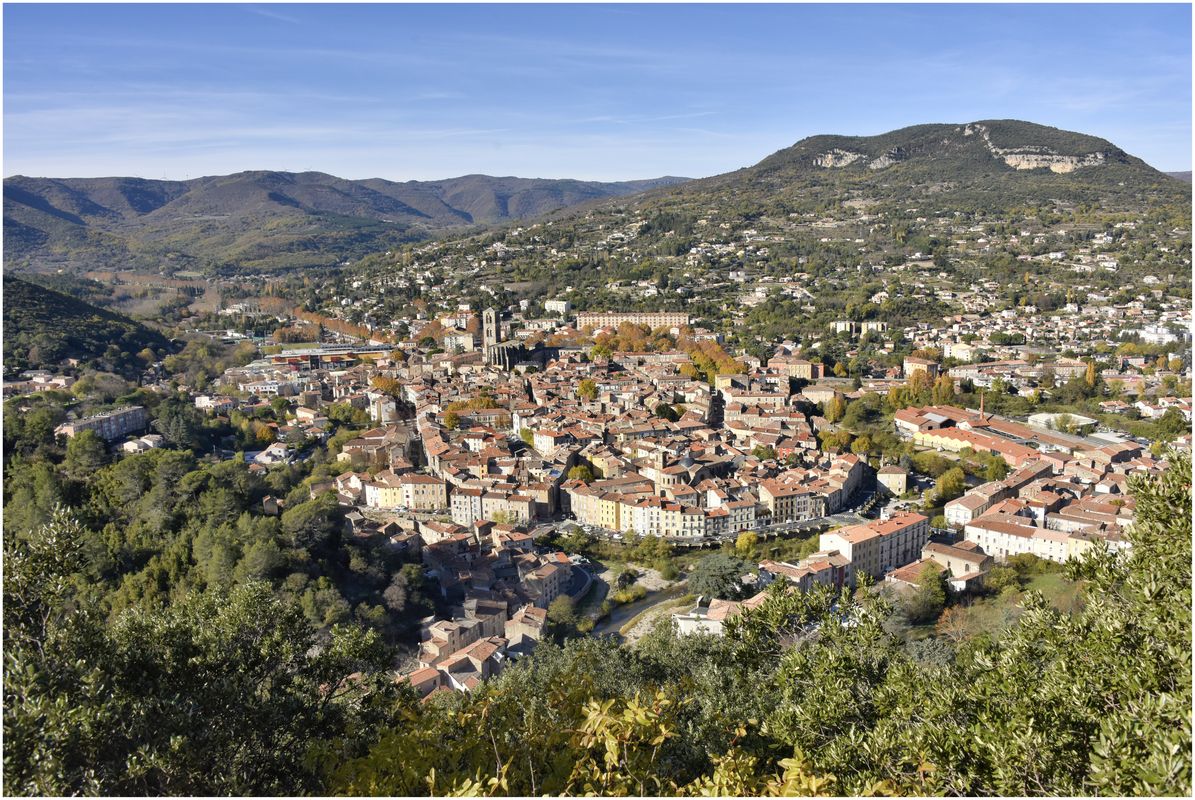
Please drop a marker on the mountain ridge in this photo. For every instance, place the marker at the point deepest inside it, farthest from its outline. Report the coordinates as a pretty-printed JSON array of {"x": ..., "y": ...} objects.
[
  {"x": 249, "y": 216},
  {"x": 936, "y": 162},
  {"x": 797, "y": 213},
  {"x": 261, "y": 220}
]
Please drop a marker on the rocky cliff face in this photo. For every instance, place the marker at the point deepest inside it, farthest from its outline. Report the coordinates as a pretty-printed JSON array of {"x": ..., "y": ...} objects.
[
  {"x": 837, "y": 158},
  {"x": 1034, "y": 157},
  {"x": 946, "y": 142},
  {"x": 893, "y": 156},
  {"x": 844, "y": 158}
]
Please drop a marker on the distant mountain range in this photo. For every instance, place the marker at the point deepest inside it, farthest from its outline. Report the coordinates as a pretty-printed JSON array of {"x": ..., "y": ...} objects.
[
  {"x": 260, "y": 219},
  {"x": 255, "y": 221},
  {"x": 1182, "y": 176}
]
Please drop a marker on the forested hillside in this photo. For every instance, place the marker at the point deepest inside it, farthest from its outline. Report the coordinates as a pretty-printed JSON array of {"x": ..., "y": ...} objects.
[
  {"x": 42, "y": 327},
  {"x": 260, "y": 220}
]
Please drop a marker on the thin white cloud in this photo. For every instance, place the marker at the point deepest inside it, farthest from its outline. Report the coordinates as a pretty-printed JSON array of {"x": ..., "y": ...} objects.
[{"x": 269, "y": 13}]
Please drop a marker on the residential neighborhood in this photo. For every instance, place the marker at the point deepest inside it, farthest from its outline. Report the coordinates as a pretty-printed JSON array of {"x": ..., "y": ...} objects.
[{"x": 473, "y": 457}]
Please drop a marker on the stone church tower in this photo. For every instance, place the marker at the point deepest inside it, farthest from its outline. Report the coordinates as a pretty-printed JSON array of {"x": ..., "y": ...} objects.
[{"x": 489, "y": 332}]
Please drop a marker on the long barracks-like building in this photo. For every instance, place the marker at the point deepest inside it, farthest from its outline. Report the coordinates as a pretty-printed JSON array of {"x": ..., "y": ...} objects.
[{"x": 612, "y": 319}]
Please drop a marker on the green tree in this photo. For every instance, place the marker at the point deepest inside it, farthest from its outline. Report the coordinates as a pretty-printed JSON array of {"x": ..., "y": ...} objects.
[
  {"x": 86, "y": 453},
  {"x": 1173, "y": 424},
  {"x": 996, "y": 470},
  {"x": 587, "y": 389},
  {"x": 29, "y": 423},
  {"x": 179, "y": 422},
  {"x": 665, "y": 411},
  {"x": 324, "y": 605},
  {"x": 925, "y": 601},
  {"x": 262, "y": 561},
  {"x": 999, "y": 578},
  {"x": 835, "y": 441},
  {"x": 930, "y": 463},
  {"x": 561, "y": 619},
  {"x": 103, "y": 387},
  {"x": 345, "y": 414},
  {"x": 575, "y": 541},
  {"x": 418, "y": 589},
  {"x": 649, "y": 549},
  {"x": 720, "y": 576},
  {"x": 950, "y": 484},
  {"x": 311, "y": 525},
  {"x": 150, "y": 704},
  {"x": 582, "y": 473},
  {"x": 280, "y": 405}
]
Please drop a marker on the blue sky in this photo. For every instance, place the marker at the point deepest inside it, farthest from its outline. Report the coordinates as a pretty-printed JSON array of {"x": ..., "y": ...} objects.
[{"x": 597, "y": 92}]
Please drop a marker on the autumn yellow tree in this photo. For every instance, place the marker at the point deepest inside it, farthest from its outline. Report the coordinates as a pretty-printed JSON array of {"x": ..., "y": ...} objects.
[
  {"x": 386, "y": 385},
  {"x": 943, "y": 391},
  {"x": 835, "y": 408}
]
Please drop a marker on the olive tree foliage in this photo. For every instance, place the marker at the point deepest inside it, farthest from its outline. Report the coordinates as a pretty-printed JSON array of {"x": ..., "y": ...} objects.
[{"x": 216, "y": 694}]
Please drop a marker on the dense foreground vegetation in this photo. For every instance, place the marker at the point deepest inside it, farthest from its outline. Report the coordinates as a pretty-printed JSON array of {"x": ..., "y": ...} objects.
[
  {"x": 232, "y": 691},
  {"x": 157, "y": 526}
]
